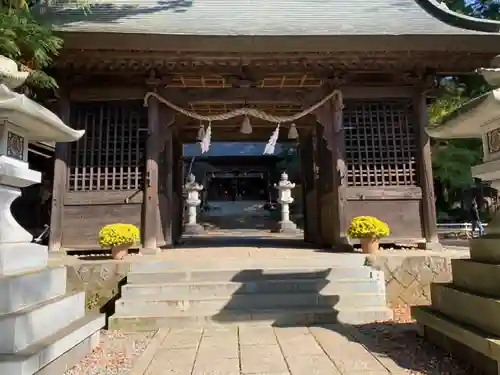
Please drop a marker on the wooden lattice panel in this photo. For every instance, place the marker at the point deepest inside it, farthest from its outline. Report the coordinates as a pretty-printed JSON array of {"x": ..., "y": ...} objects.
[
  {"x": 110, "y": 154},
  {"x": 197, "y": 81},
  {"x": 380, "y": 143},
  {"x": 290, "y": 80}
]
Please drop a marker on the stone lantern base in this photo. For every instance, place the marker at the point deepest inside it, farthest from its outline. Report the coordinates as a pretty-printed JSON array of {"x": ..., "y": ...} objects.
[
  {"x": 193, "y": 229},
  {"x": 287, "y": 227},
  {"x": 44, "y": 329}
]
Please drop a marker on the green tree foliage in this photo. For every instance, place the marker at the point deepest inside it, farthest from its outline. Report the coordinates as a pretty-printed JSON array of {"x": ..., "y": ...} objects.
[
  {"x": 28, "y": 42},
  {"x": 452, "y": 159},
  {"x": 476, "y": 8}
]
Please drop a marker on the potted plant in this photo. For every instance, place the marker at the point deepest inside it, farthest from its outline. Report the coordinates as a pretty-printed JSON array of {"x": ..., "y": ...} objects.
[
  {"x": 119, "y": 238},
  {"x": 369, "y": 230}
]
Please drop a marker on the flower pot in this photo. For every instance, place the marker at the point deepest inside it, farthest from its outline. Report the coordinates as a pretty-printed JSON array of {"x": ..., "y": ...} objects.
[
  {"x": 369, "y": 245},
  {"x": 119, "y": 252}
]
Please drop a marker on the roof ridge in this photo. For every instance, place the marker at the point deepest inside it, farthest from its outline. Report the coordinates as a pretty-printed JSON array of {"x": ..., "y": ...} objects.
[{"x": 441, "y": 11}]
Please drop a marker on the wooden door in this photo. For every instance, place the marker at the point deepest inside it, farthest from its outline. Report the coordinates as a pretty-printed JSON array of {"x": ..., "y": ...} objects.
[{"x": 105, "y": 170}]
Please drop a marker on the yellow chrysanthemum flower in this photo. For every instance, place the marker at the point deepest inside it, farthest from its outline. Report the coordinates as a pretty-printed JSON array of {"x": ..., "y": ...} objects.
[
  {"x": 113, "y": 235},
  {"x": 367, "y": 226}
]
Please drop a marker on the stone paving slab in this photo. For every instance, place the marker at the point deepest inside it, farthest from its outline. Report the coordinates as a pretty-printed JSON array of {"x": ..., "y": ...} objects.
[{"x": 263, "y": 350}]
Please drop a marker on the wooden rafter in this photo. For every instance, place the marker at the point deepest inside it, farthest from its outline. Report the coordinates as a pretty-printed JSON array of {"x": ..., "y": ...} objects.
[{"x": 318, "y": 64}]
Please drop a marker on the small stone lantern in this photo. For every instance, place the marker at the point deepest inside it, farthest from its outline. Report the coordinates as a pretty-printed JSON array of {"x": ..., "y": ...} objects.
[
  {"x": 285, "y": 199},
  {"x": 192, "y": 189}
]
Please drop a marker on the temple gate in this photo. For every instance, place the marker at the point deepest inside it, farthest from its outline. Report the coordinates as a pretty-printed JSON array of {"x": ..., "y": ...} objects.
[{"x": 366, "y": 154}]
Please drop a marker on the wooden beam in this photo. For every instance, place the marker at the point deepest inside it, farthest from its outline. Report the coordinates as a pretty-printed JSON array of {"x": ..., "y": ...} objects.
[
  {"x": 426, "y": 180},
  {"x": 232, "y": 126},
  {"x": 185, "y": 96},
  {"x": 150, "y": 223},
  {"x": 60, "y": 177},
  {"x": 241, "y": 95},
  {"x": 234, "y": 136},
  {"x": 381, "y": 92},
  {"x": 108, "y": 93}
]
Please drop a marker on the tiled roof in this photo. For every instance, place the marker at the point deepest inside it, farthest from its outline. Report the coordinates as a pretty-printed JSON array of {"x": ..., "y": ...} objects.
[{"x": 263, "y": 17}]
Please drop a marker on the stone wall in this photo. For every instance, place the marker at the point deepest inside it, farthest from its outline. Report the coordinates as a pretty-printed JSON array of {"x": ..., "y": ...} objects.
[
  {"x": 100, "y": 280},
  {"x": 409, "y": 274}
]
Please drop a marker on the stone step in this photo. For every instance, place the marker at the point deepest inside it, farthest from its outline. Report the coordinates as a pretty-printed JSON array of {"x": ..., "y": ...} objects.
[
  {"x": 201, "y": 289},
  {"x": 319, "y": 262},
  {"x": 445, "y": 332},
  {"x": 26, "y": 289},
  {"x": 245, "y": 275},
  {"x": 58, "y": 352},
  {"x": 238, "y": 222},
  {"x": 484, "y": 249},
  {"x": 479, "y": 311},
  {"x": 22, "y": 257},
  {"x": 24, "y": 327},
  {"x": 482, "y": 278},
  {"x": 148, "y": 306},
  {"x": 275, "y": 317}
]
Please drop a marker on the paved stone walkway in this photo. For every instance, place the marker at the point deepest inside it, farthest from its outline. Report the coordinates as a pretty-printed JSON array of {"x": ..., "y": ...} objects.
[{"x": 260, "y": 350}]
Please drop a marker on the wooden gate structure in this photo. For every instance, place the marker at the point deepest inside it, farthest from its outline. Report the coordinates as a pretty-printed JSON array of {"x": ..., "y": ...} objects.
[{"x": 128, "y": 166}]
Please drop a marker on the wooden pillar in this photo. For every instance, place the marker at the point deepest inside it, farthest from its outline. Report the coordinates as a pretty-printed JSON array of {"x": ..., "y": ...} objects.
[
  {"x": 150, "y": 222},
  {"x": 166, "y": 209},
  {"x": 335, "y": 179},
  {"x": 320, "y": 182},
  {"x": 339, "y": 171},
  {"x": 304, "y": 182},
  {"x": 307, "y": 176},
  {"x": 426, "y": 181},
  {"x": 178, "y": 184},
  {"x": 59, "y": 187},
  {"x": 313, "y": 194}
]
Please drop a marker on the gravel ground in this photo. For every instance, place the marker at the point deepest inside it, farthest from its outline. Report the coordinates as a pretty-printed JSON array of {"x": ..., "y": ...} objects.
[
  {"x": 401, "y": 343},
  {"x": 115, "y": 355}
]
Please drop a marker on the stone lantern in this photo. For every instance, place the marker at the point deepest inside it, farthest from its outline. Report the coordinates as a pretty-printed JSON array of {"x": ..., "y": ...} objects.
[
  {"x": 192, "y": 189},
  {"x": 285, "y": 199},
  {"x": 467, "y": 311},
  {"x": 39, "y": 320}
]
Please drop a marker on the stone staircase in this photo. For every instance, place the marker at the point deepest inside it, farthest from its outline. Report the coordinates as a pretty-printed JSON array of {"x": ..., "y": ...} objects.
[
  {"x": 235, "y": 222},
  {"x": 43, "y": 329},
  {"x": 325, "y": 289}
]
